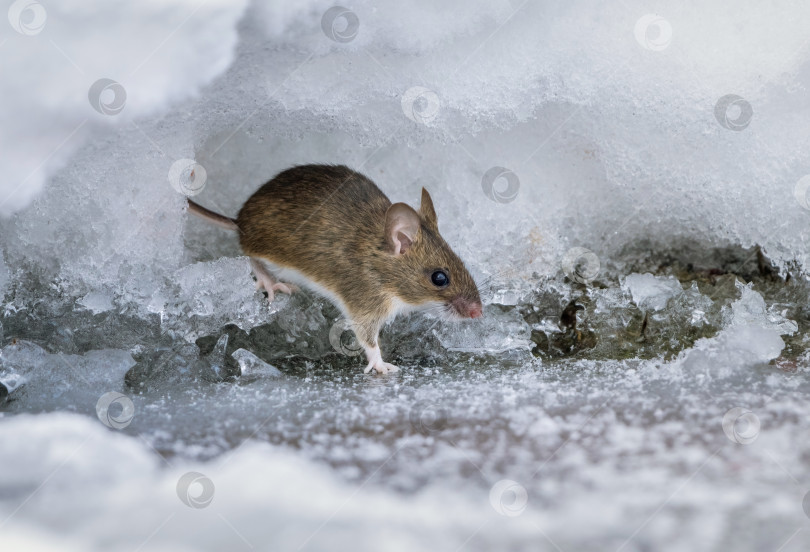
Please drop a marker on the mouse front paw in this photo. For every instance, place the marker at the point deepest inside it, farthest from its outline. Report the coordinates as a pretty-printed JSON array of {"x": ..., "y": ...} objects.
[
  {"x": 380, "y": 367},
  {"x": 375, "y": 361}
]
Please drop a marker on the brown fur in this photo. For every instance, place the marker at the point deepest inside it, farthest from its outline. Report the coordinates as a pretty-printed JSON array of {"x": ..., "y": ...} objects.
[{"x": 329, "y": 224}]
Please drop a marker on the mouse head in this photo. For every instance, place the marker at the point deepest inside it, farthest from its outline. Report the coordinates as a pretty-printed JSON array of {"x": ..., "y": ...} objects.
[{"x": 423, "y": 270}]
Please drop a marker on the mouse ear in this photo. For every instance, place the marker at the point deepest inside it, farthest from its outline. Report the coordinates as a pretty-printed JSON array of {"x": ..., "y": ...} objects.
[
  {"x": 427, "y": 211},
  {"x": 401, "y": 225}
]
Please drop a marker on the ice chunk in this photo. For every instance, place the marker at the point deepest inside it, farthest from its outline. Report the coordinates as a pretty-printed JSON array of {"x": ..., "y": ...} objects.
[
  {"x": 217, "y": 360},
  {"x": 54, "y": 381},
  {"x": 97, "y": 302},
  {"x": 750, "y": 310},
  {"x": 205, "y": 296},
  {"x": 24, "y": 355},
  {"x": 11, "y": 381},
  {"x": 651, "y": 292},
  {"x": 497, "y": 331},
  {"x": 724, "y": 355},
  {"x": 752, "y": 336},
  {"x": 251, "y": 365}
]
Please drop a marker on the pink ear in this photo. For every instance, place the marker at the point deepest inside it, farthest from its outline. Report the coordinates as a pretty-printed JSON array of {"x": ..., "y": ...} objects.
[{"x": 401, "y": 226}]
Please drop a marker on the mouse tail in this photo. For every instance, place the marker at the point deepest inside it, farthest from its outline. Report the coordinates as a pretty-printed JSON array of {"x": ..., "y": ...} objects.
[{"x": 215, "y": 218}]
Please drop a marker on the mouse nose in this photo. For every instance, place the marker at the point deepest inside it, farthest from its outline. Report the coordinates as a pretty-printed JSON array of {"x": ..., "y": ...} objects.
[{"x": 476, "y": 311}]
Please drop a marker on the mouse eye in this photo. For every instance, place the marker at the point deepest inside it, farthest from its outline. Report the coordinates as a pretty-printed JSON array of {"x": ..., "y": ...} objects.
[{"x": 440, "y": 278}]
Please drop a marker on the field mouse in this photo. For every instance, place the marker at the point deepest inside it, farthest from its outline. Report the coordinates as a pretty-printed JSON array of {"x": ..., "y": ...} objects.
[{"x": 333, "y": 230}]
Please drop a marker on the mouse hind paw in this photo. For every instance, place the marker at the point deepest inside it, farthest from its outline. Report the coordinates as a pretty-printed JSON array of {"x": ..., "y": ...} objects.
[{"x": 266, "y": 281}]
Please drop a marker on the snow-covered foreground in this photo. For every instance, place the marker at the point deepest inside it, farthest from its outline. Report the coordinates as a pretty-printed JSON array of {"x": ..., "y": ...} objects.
[
  {"x": 592, "y": 456},
  {"x": 627, "y": 182}
]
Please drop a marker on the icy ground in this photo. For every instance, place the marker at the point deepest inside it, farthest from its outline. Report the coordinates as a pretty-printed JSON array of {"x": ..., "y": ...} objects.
[{"x": 627, "y": 182}]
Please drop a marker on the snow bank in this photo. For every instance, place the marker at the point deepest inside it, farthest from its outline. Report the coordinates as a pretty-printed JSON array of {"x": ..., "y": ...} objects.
[
  {"x": 622, "y": 146},
  {"x": 155, "y": 57}
]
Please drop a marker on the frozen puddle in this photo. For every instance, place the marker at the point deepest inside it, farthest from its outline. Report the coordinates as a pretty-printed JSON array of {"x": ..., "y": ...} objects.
[
  {"x": 592, "y": 465},
  {"x": 596, "y": 456}
]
